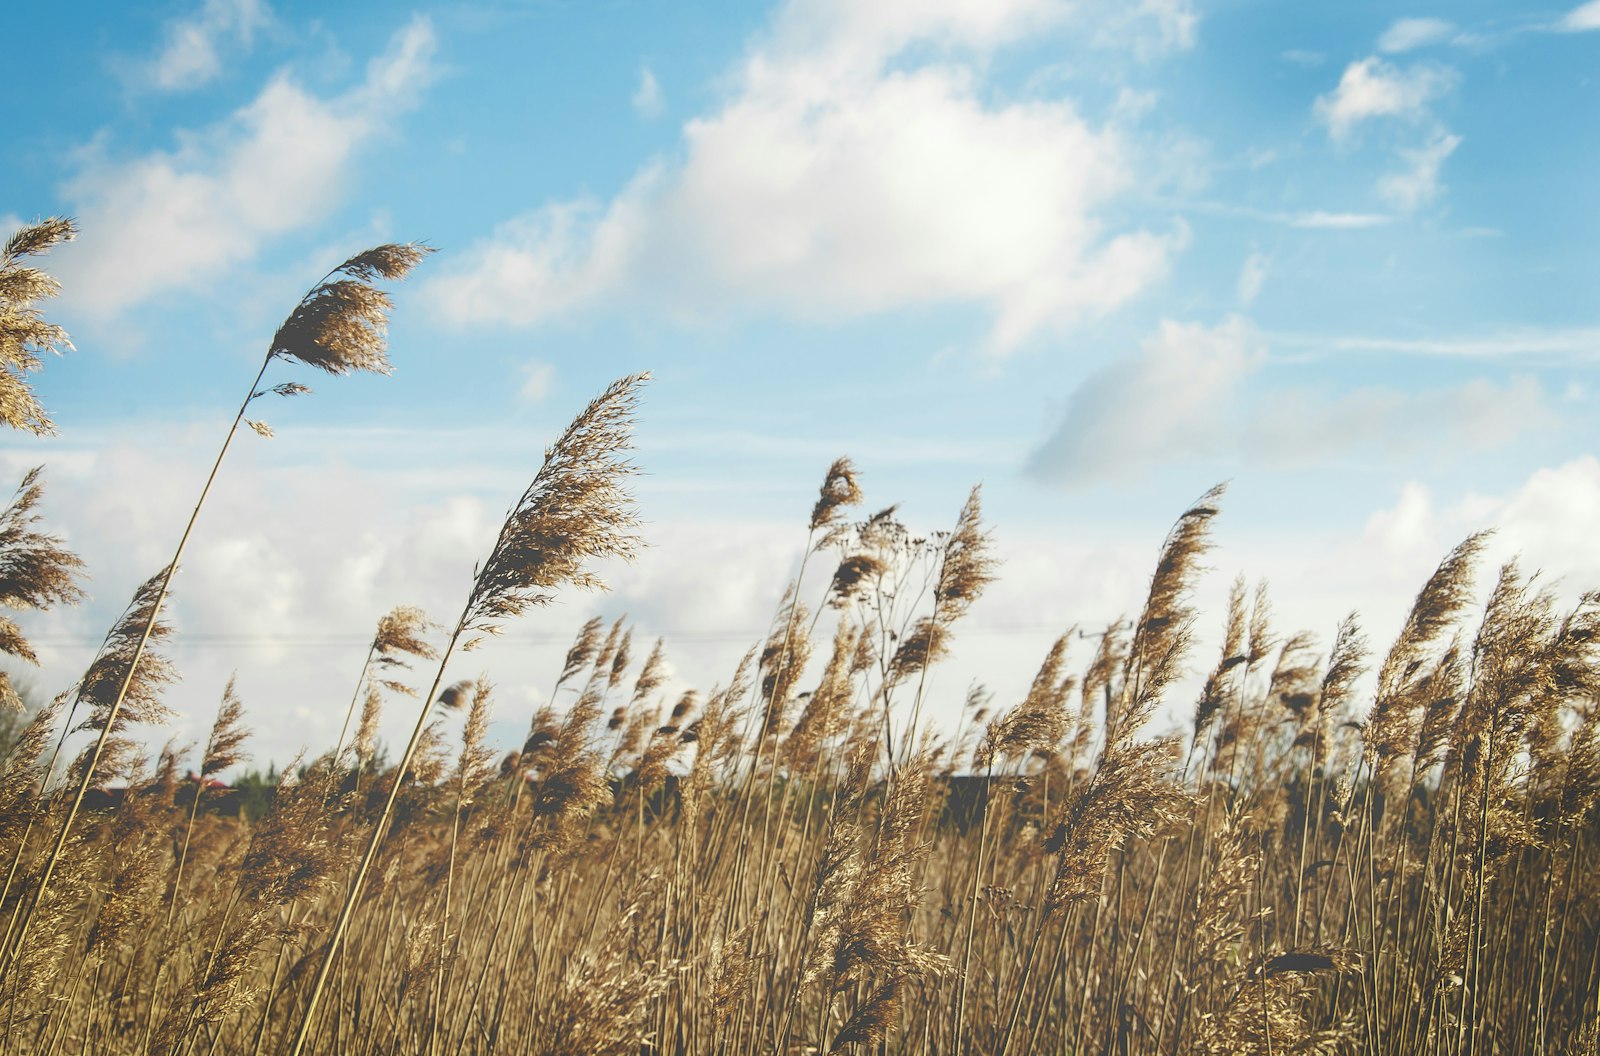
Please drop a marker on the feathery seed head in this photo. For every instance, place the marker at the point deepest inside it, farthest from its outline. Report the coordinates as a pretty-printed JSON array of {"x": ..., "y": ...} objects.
[
  {"x": 366, "y": 742},
  {"x": 1161, "y": 636},
  {"x": 839, "y": 489},
  {"x": 100, "y": 684},
  {"x": 620, "y": 660},
  {"x": 340, "y": 325},
  {"x": 24, "y": 334},
  {"x": 853, "y": 575},
  {"x": 577, "y": 510},
  {"x": 400, "y": 633},
  {"x": 967, "y": 566},
  {"x": 225, "y": 746},
  {"x": 452, "y": 697},
  {"x": 582, "y": 651},
  {"x": 36, "y": 572}
]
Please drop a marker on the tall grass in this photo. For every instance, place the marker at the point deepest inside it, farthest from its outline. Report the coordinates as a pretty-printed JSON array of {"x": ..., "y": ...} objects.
[{"x": 798, "y": 860}]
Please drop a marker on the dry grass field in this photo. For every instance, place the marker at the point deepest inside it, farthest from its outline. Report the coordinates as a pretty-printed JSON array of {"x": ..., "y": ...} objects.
[{"x": 1353, "y": 847}]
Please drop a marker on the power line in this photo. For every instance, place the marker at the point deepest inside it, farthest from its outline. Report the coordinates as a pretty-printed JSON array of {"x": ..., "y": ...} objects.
[{"x": 246, "y": 641}]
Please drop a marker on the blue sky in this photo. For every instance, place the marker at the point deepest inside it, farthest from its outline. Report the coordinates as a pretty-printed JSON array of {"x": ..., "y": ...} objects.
[{"x": 1097, "y": 256}]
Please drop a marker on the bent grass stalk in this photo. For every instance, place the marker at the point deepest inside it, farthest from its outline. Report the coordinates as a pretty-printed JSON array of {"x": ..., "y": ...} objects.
[
  {"x": 577, "y": 510},
  {"x": 338, "y": 327}
]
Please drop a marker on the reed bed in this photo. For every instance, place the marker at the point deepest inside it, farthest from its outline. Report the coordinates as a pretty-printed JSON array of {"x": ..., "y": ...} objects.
[{"x": 1342, "y": 851}]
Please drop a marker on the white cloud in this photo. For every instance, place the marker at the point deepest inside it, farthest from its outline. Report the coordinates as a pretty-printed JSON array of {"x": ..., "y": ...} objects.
[
  {"x": 1252, "y": 276},
  {"x": 1418, "y": 184},
  {"x": 1374, "y": 88},
  {"x": 1548, "y": 522},
  {"x": 1554, "y": 518},
  {"x": 536, "y": 379},
  {"x": 1409, "y": 34},
  {"x": 1582, "y": 18},
  {"x": 1175, "y": 21},
  {"x": 1196, "y": 392},
  {"x": 1169, "y": 398},
  {"x": 191, "y": 55},
  {"x": 647, "y": 99},
  {"x": 558, "y": 259},
  {"x": 177, "y": 219},
  {"x": 839, "y": 181}
]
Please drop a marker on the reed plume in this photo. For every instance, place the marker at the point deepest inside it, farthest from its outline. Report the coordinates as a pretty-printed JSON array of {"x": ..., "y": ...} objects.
[
  {"x": 1218, "y": 684},
  {"x": 338, "y": 326},
  {"x": 224, "y": 748},
  {"x": 1162, "y": 634},
  {"x": 123, "y": 685},
  {"x": 1038, "y": 723},
  {"x": 840, "y": 489},
  {"x": 25, "y": 336},
  {"x": 577, "y": 510},
  {"x": 36, "y": 572},
  {"x": 1391, "y": 726},
  {"x": 966, "y": 567}
]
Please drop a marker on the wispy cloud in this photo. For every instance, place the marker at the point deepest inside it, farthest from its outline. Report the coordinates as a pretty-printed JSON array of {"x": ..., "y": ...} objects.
[
  {"x": 1310, "y": 219},
  {"x": 1409, "y": 34},
  {"x": 193, "y": 52},
  {"x": 536, "y": 379},
  {"x": 647, "y": 98},
  {"x": 1175, "y": 21},
  {"x": 1418, "y": 183},
  {"x": 1318, "y": 218},
  {"x": 1574, "y": 344},
  {"x": 1303, "y": 58},
  {"x": 178, "y": 219},
  {"x": 1252, "y": 276}
]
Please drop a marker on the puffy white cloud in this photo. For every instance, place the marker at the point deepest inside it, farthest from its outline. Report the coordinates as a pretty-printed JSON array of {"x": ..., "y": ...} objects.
[
  {"x": 1418, "y": 183},
  {"x": 191, "y": 56},
  {"x": 647, "y": 98},
  {"x": 1547, "y": 523},
  {"x": 1409, "y": 34},
  {"x": 557, "y": 259},
  {"x": 1582, "y": 18},
  {"x": 1197, "y": 392},
  {"x": 838, "y": 181},
  {"x": 1374, "y": 88},
  {"x": 178, "y": 219}
]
